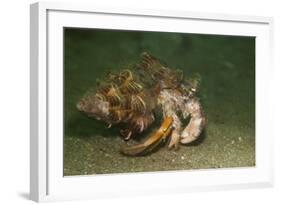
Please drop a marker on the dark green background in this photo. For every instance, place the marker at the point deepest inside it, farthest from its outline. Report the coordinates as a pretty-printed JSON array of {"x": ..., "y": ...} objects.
[{"x": 226, "y": 65}]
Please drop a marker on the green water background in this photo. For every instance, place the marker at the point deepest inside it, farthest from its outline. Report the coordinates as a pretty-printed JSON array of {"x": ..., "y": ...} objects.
[{"x": 226, "y": 65}]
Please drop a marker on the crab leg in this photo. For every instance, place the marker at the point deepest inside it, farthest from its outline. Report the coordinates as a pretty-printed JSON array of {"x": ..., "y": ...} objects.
[
  {"x": 152, "y": 141},
  {"x": 168, "y": 101},
  {"x": 175, "y": 134},
  {"x": 196, "y": 124}
]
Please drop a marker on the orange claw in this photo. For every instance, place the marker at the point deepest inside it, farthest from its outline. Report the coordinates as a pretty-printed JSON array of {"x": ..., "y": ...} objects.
[{"x": 151, "y": 142}]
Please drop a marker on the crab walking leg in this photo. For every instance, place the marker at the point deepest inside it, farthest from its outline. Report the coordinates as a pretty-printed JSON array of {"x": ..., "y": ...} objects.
[
  {"x": 196, "y": 123},
  {"x": 151, "y": 142},
  {"x": 175, "y": 135},
  {"x": 169, "y": 110}
]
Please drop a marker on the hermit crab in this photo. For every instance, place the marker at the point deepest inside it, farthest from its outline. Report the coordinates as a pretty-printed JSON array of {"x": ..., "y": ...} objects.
[{"x": 134, "y": 96}]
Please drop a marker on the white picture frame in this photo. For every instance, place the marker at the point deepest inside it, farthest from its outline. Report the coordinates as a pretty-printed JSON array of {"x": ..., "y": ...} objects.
[{"x": 47, "y": 182}]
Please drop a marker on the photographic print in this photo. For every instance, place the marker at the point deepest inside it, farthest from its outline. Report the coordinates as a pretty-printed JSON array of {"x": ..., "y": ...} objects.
[{"x": 141, "y": 101}]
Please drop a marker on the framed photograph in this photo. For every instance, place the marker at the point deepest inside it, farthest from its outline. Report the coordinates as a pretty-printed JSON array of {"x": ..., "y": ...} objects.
[{"x": 130, "y": 102}]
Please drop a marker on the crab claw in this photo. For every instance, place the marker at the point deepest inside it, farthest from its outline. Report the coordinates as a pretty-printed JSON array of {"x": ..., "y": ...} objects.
[{"x": 151, "y": 142}]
